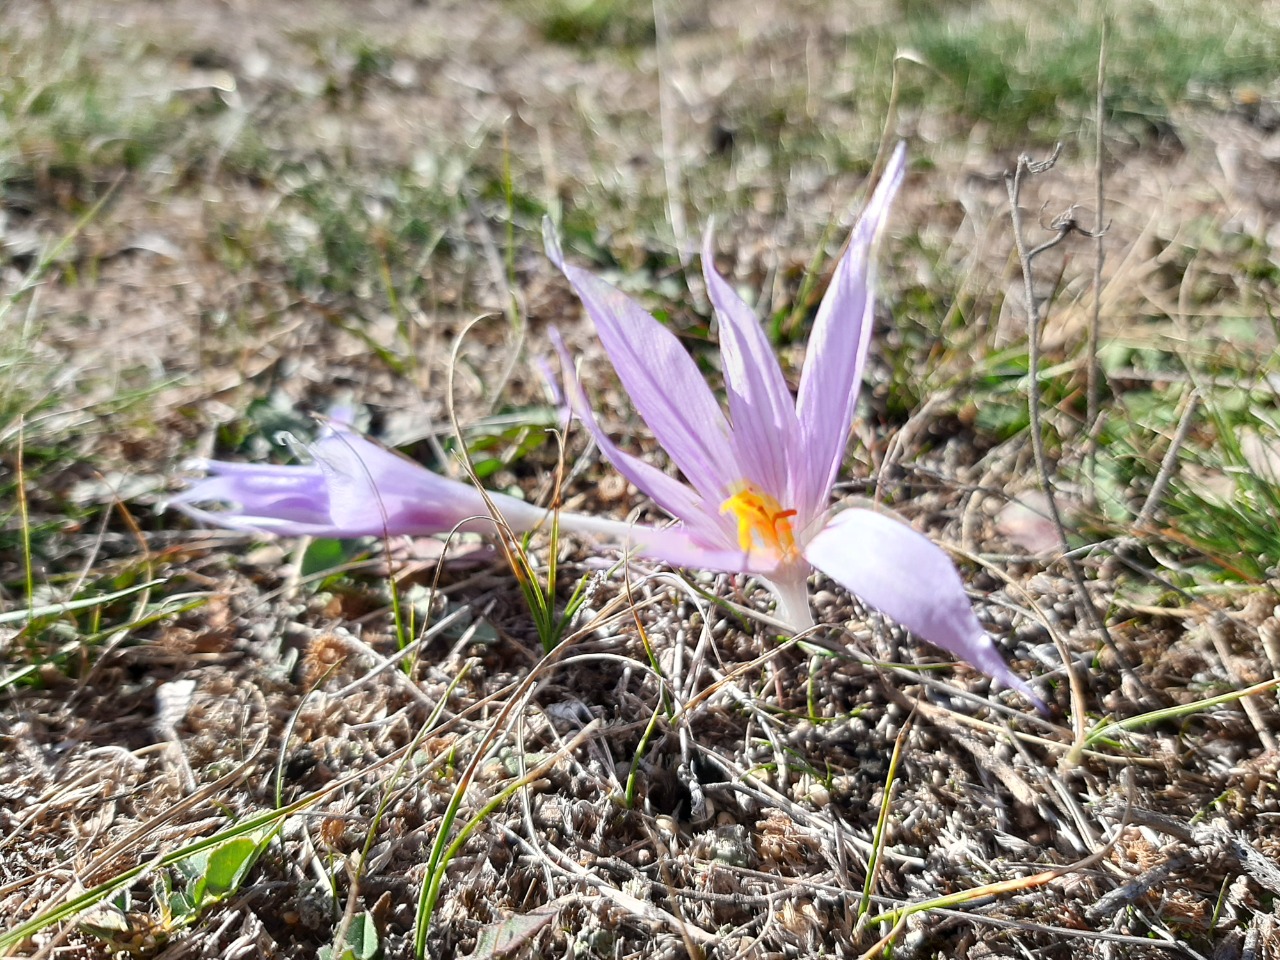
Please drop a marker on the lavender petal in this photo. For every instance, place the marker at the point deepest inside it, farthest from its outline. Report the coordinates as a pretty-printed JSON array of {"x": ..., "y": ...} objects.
[
  {"x": 910, "y": 579},
  {"x": 670, "y": 494},
  {"x": 765, "y": 429},
  {"x": 354, "y": 488},
  {"x": 838, "y": 346},
  {"x": 268, "y": 498},
  {"x": 663, "y": 382},
  {"x": 678, "y": 546}
]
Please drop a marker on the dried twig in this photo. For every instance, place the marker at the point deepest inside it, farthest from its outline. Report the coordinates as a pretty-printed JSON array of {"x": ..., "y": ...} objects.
[
  {"x": 1215, "y": 625},
  {"x": 1092, "y": 418},
  {"x": 1169, "y": 463},
  {"x": 1064, "y": 226},
  {"x": 670, "y": 151}
]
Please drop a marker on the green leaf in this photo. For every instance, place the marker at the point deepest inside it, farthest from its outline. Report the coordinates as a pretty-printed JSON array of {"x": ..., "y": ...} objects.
[
  {"x": 229, "y": 864},
  {"x": 359, "y": 943},
  {"x": 323, "y": 554},
  {"x": 193, "y": 868},
  {"x": 182, "y": 909},
  {"x": 215, "y": 873}
]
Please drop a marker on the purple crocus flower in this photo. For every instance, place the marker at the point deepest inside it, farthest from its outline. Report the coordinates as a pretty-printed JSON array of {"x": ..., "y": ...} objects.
[
  {"x": 352, "y": 487},
  {"x": 757, "y": 497}
]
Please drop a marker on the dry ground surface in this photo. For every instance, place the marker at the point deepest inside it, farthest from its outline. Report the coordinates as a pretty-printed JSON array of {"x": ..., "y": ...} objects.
[{"x": 218, "y": 218}]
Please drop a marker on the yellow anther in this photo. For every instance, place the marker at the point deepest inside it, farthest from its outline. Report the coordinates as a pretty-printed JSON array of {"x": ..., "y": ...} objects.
[{"x": 762, "y": 523}]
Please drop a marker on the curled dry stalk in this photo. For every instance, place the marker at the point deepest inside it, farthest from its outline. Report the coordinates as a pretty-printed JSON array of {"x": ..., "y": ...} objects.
[
  {"x": 1063, "y": 227},
  {"x": 539, "y": 596},
  {"x": 446, "y": 845}
]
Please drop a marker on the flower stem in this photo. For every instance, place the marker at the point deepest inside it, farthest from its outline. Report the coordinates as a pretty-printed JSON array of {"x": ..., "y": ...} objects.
[{"x": 793, "y": 602}]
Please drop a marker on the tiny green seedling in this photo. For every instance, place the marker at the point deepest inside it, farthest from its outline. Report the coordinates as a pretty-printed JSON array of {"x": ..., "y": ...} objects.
[{"x": 183, "y": 892}]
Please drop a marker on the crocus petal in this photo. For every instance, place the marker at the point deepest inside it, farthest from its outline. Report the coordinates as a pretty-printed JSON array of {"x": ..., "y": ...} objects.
[
  {"x": 908, "y": 578},
  {"x": 765, "y": 429},
  {"x": 662, "y": 380},
  {"x": 678, "y": 499},
  {"x": 680, "y": 547},
  {"x": 289, "y": 500},
  {"x": 374, "y": 491},
  {"x": 838, "y": 346},
  {"x": 261, "y": 520},
  {"x": 354, "y": 488},
  {"x": 271, "y": 526}
]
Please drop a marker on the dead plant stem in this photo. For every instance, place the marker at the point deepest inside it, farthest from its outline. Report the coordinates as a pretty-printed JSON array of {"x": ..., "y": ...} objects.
[
  {"x": 670, "y": 148},
  {"x": 1092, "y": 387},
  {"x": 1064, "y": 226},
  {"x": 1170, "y": 462}
]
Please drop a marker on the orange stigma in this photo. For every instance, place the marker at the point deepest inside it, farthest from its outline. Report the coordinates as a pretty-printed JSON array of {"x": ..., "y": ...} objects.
[{"x": 762, "y": 523}]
